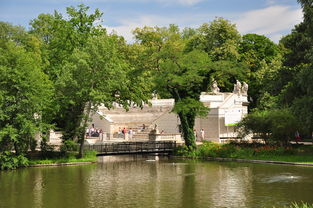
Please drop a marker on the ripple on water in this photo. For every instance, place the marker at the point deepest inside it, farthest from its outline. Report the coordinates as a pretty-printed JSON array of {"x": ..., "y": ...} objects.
[{"x": 283, "y": 178}]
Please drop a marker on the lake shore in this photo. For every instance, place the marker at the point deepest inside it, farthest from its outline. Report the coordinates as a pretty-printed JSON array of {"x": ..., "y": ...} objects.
[{"x": 256, "y": 153}]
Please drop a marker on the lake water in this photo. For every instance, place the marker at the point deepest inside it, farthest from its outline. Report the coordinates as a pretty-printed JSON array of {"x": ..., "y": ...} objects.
[{"x": 149, "y": 181}]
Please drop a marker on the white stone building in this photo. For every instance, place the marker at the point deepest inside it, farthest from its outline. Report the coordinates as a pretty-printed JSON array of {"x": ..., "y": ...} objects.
[{"x": 225, "y": 110}]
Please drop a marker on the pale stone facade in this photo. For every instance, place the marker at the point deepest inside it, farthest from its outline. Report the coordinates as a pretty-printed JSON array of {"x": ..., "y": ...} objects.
[
  {"x": 220, "y": 105},
  {"x": 232, "y": 106}
]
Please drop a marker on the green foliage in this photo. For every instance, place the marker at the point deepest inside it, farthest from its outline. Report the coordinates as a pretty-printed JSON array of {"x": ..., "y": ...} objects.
[
  {"x": 226, "y": 73},
  {"x": 60, "y": 37},
  {"x": 68, "y": 145},
  {"x": 256, "y": 48},
  {"x": 220, "y": 39},
  {"x": 188, "y": 105},
  {"x": 302, "y": 108},
  {"x": 263, "y": 59},
  {"x": 88, "y": 68},
  {"x": 10, "y": 161},
  {"x": 283, "y": 125},
  {"x": 296, "y": 46},
  {"x": 45, "y": 149},
  {"x": 24, "y": 91},
  {"x": 277, "y": 126},
  {"x": 175, "y": 72},
  {"x": 301, "y": 205},
  {"x": 293, "y": 83},
  {"x": 33, "y": 145},
  {"x": 64, "y": 68},
  {"x": 250, "y": 151},
  {"x": 69, "y": 157},
  {"x": 256, "y": 122}
]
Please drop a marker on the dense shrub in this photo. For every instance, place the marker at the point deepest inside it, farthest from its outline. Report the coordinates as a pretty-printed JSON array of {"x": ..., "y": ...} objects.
[
  {"x": 68, "y": 145},
  {"x": 33, "y": 145},
  {"x": 10, "y": 161},
  {"x": 46, "y": 149},
  {"x": 236, "y": 150},
  {"x": 273, "y": 126}
]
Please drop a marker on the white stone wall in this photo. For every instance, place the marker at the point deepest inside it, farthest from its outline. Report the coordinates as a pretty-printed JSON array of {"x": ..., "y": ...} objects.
[
  {"x": 55, "y": 137},
  {"x": 168, "y": 122},
  {"x": 100, "y": 123},
  {"x": 160, "y": 113}
]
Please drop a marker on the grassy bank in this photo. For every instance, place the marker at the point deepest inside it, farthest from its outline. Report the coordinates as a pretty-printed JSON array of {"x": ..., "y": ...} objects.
[
  {"x": 70, "y": 157},
  {"x": 301, "y": 205},
  {"x": 295, "y": 153}
]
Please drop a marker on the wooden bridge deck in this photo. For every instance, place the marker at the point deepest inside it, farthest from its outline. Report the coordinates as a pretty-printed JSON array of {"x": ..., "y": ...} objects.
[{"x": 133, "y": 147}]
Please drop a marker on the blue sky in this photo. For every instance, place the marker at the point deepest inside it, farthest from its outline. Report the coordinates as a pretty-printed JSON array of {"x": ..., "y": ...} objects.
[{"x": 272, "y": 18}]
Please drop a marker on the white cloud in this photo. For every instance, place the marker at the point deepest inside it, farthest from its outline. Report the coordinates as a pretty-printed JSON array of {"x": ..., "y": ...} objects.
[
  {"x": 272, "y": 21},
  {"x": 126, "y": 26}
]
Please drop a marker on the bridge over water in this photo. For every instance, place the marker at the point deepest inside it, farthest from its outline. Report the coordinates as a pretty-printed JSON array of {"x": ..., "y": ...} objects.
[{"x": 133, "y": 147}]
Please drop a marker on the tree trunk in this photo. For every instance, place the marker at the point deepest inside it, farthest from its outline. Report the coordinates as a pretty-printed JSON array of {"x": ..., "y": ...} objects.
[
  {"x": 82, "y": 133},
  {"x": 187, "y": 124}
]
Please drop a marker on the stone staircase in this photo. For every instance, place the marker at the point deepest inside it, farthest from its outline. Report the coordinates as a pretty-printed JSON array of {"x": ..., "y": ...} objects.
[
  {"x": 135, "y": 118},
  {"x": 140, "y": 134}
]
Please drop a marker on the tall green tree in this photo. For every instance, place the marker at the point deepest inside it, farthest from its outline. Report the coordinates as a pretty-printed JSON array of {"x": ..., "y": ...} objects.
[
  {"x": 60, "y": 38},
  {"x": 295, "y": 77},
  {"x": 263, "y": 59},
  {"x": 98, "y": 74},
  {"x": 290, "y": 85},
  {"x": 177, "y": 73},
  {"x": 88, "y": 67},
  {"x": 220, "y": 39},
  {"x": 24, "y": 91}
]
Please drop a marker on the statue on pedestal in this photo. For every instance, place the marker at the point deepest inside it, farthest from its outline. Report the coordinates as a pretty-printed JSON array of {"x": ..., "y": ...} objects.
[
  {"x": 237, "y": 88},
  {"x": 153, "y": 135},
  {"x": 214, "y": 88},
  {"x": 244, "y": 89},
  {"x": 154, "y": 96},
  {"x": 156, "y": 128}
]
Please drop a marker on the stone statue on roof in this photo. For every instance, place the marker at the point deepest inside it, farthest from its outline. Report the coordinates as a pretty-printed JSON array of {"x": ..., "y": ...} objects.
[
  {"x": 214, "y": 88},
  {"x": 237, "y": 88},
  {"x": 244, "y": 89},
  {"x": 154, "y": 95}
]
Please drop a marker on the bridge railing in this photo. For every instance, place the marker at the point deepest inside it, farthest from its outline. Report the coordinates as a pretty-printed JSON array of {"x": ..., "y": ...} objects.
[{"x": 133, "y": 147}]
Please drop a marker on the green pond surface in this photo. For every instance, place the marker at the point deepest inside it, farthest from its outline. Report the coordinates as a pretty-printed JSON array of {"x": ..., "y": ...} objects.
[{"x": 152, "y": 181}]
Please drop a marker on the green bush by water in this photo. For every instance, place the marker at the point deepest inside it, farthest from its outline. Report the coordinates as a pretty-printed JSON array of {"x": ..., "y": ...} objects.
[
  {"x": 69, "y": 157},
  {"x": 250, "y": 151},
  {"x": 69, "y": 145},
  {"x": 9, "y": 160}
]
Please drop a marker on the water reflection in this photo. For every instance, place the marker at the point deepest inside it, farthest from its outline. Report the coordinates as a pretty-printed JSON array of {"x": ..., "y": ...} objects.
[
  {"x": 231, "y": 187},
  {"x": 153, "y": 181},
  {"x": 38, "y": 189},
  {"x": 285, "y": 178}
]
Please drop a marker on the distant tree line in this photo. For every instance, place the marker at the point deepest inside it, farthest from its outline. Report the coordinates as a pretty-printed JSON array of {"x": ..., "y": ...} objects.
[{"x": 57, "y": 73}]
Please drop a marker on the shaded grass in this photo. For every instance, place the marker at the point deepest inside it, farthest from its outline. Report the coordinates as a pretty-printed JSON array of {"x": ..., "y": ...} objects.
[
  {"x": 295, "y": 153},
  {"x": 298, "y": 205},
  {"x": 301, "y": 205},
  {"x": 89, "y": 156}
]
